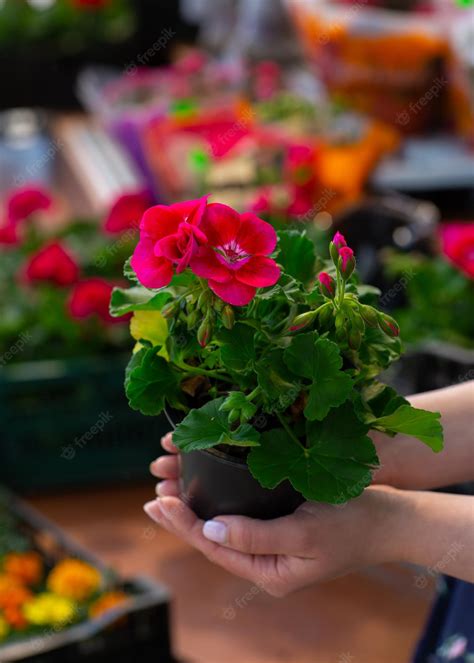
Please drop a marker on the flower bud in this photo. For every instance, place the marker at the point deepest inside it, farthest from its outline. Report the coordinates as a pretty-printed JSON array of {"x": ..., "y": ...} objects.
[
  {"x": 228, "y": 316},
  {"x": 388, "y": 325},
  {"x": 355, "y": 339},
  {"x": 326, "y": 316},
  {"x": 327, "y": 285},
  {"x": 302, "y": 320},
  {"x": 169, "y": 310},
  {"x": 370, "y": 315},
  {"x": 192, "y": 319},
  {"x": 338, "y": 241},
  {"x": 346, "y": 262},
  {"x": 204, "y": 332},
  {"x": 233, "y": 416}
]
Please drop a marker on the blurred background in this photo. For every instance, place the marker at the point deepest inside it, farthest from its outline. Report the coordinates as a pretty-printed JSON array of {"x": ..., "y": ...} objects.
[{"x": 355, "y": 115}]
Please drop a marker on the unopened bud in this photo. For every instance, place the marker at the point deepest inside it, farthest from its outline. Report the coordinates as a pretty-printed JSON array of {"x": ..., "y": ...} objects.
[
  {"x": 346, "y": 262},
  {"x": 354, "y": 339},
  {"x": 327, "y": 285},
  {"x": 228, "y": 316},
  {"x": 338, "y": 241},
  {"x": 204, "y": 332},
  {"x": 169, "y": 310},
  {"x": 233, "y": 416},
  {"x": 388, "y": 325},
  {"x": 370, "y": 315},
  {"x": 326, "y": 316},
  {"x": 303, "y": 320}
]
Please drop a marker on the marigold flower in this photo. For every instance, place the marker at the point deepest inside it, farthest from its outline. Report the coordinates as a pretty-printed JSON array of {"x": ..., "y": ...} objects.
[
  {"x": 48, "y": 609},
  {"x": 27, "y": 567},
  {"x": 106, "y": 602},
  {"x": 24, "y": 202},
  {"x": 234, "y": 260},
  {"x": 169, "y": 237},
  {"x": 54, "y": 264},
  {"x": 74, "y": 579}
]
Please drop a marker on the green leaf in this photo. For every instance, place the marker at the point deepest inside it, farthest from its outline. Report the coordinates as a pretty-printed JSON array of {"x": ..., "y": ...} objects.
[
  {"x": 150, "y": 381},
  {"x": 319, "y": 360},
  {"x": 238, "y": 347},
  {"x": 409, "y": 420},
  {"x": 129, "y": 272},
  {"x": 279, "y": 385},
  {"x": 335, "y": 466},
  {"x": 296, "y": 254},
  {"x": 137, "y": 298},
  {"x": 208, "y": 426},
  {"x": 286, "y": 287},
  {"x": 237, "y": 400}
]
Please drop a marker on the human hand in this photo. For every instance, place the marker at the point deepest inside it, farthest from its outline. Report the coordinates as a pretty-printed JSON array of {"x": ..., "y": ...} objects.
[{"x": 317, "y": 542}]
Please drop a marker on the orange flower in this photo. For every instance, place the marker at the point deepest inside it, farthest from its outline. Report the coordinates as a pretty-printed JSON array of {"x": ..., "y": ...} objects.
[
  {"x": 74, "y": 579},
  {"x": 106, "y": 602},
  {"x": 27, "y": 567},
  {"x": 13, "y": 595}
]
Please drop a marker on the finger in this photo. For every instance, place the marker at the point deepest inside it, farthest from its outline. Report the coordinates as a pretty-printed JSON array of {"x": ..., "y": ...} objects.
[
  {"x": 167, "y": 488},
  {"x": 289, "y": 535},
  {"x": 172, "y": 514},
  {"x": 165, "y": 467},
  {"x": 167, "y": 444}
]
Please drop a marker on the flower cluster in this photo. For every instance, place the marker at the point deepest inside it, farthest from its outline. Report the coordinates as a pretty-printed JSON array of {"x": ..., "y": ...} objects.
[
  {"x": 229, "y": 250},
  {"x": 31, "y": 597}
]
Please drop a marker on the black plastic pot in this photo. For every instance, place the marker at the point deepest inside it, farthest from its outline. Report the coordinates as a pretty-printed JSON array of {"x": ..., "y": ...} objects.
[{"x": 215, "y": 484}]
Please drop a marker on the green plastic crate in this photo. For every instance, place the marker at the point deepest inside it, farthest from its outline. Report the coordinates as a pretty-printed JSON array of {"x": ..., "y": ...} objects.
[{"x": 68, "y": 423}]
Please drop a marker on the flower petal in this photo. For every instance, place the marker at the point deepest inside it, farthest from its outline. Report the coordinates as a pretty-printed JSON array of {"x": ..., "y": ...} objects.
[
  {"x": 191, "y": 211},
  {"x": 220, "y": 224},
  {"x": 152, "y": 272},
  {"x": 258, "y": 272},
  {"x": 233, "y": 292},
  {"x": 256, "y": 236},
  {"x": 159, "y": 221},
  {"x": 207, "y": 265}
]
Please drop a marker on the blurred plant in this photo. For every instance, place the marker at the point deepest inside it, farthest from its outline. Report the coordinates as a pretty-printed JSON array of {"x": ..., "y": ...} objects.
[{"x": 56, "y": 281}]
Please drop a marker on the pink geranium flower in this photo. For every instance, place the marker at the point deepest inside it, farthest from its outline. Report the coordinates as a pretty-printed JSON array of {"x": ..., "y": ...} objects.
[
  {"x": 54, "y": 264},
  {"x": 234, "y": 260},
  {"x": 24, "y": 202},
  {"x": 127, "y": 211},
  {"x": 457, "y": 241},
  {"x": 8, "y": 234},
  {"x": 169, "y": 237}
]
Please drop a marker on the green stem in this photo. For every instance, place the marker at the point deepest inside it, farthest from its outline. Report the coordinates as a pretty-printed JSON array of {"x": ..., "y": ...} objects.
[
  {"x": 288, "y": 430},
  {"x": 253, "y": 393},
  {"x": 196, "y": 370}
]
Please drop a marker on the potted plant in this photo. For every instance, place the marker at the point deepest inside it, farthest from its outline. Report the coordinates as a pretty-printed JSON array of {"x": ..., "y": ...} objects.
[{"x": 271, "y": 355}]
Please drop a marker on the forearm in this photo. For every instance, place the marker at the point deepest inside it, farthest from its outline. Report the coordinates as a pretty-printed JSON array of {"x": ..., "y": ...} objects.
[
  {"x": 408, "y": 463},
  {"x": 434, "y": 530}
]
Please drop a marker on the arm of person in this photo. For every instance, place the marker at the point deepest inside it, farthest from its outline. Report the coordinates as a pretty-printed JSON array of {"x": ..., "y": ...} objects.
[
  {"x": 321, "y": 541},
  {"x": 407, "y": 463}
]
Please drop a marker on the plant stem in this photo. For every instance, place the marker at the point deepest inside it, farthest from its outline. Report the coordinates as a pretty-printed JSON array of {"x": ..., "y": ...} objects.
[
  {"x": 253, "y": 393},
  {"x": 288, "y": 430},
  {"x": 196, "y": 370}
]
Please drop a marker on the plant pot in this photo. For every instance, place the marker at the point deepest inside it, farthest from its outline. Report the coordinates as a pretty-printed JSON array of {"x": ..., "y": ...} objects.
[{"x": 214, "y": 483}]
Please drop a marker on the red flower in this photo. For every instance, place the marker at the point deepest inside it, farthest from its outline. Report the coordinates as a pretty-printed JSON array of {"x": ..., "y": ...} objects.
[
  {"x": 90, "y": 4},
  {"x": 339, "y": 240},
  {"x": 91, "y": 297},
  {"x": 458, "y": 245},
  {"x": 54, "y": 264},
  {"x": 8, "y": 234},
  {"x": 22, "y": 203},
  {"x": 347, "y": 261},
  {"x": 327, "y": 285},
  {"x": 235, "y": 259},
  {"x": 169, "y": 237},
  {"x": 127, "y": 211}
]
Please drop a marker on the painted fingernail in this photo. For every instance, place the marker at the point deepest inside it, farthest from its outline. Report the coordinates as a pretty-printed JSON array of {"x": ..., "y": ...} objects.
[
  {"x": 153, "y": 510},
  {"x": 215, "y": 531}
]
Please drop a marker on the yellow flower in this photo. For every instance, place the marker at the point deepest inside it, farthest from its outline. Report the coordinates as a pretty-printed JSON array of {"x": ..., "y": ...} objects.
[
  {"x": 74, "y": 579},
  {"x": 150, "y": 326},
  {"x": 50, "y": 610},
  {"x": 4, "y": 628}
]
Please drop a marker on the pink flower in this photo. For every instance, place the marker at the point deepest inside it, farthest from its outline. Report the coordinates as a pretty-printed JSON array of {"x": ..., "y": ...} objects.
[
  {"x": 8, "y": 234},
  {"x": 458, "y": 245},
  {"x": 91, "y": 297},
  {"x": 339, "y": 240},
  {"x": 54, "y": 264},
  {"x": 327, "y": 285},
  {"x": 235, "y": 259},
  {"x": 347, "y": 261},
  {"x": 127, "y": 211},
  {"x": 169, "y": 237},
  {"x": 24, "y": 202}
]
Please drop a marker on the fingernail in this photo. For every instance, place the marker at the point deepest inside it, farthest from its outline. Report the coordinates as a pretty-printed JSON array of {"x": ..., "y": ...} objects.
[
  {"x": 153, "y": 510},
  {"x": 167, "y": 509},
  {"x": 215, "y": 531},
  {"x": 158, "y": 488}
]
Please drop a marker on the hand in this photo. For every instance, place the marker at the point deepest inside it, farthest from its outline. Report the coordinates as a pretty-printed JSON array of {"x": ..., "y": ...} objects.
[{"x": 317, "y": 542}]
